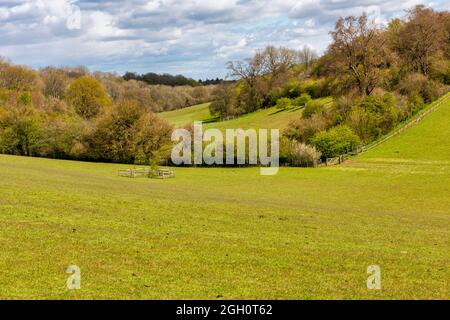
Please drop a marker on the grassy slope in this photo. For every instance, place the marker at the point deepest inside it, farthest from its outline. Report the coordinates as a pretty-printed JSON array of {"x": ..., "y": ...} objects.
[
  {"x": 271, "y": 118},
  {"x": 428, "y": 141},
  {"x": 305, "y": 233},
  {"x": 181, "y": 117}
]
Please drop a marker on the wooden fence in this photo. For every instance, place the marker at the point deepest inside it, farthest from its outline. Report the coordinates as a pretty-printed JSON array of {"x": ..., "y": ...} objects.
[
  {"x": 415, "y": 121},
  {"x": 147, "y": 173},
  {"x": 340, "y": 159}
]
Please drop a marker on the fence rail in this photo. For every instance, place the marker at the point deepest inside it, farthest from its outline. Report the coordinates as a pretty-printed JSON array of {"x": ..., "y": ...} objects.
[
  {"x": 413, "y": 122},
  {"x": 360, "y": 149},
  {"x": 147, "y": 173}
]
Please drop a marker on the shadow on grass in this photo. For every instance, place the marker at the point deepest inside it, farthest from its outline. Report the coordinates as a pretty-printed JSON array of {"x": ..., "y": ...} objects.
[
  {"x": 211, "y": 120},
  {"x": 291, "y": 109}
]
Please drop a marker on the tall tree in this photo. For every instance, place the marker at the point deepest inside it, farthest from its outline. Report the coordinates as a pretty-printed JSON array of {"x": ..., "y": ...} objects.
[
  {"x": 88, "y": 97},
  {"x": 307, "y": 56},
  {"x": 250, "y": 71},
  {"x": 277, "y": 63},
  {"x": 423, "y": 38},
  {"x": 358, "y": 50}
]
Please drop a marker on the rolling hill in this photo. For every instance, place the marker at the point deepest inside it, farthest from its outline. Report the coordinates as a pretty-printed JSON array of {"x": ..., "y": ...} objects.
[
  {"x": 230, "y": 233},
  {"x": 270, "y": 118},
  {"x": 427, "y": 141}
]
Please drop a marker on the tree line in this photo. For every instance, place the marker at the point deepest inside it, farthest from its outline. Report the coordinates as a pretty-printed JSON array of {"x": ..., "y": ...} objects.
[
  {"x": 377, "y": 76},
  {"x": 71, "y": 113},
  {"x": 166, "y": 79}
]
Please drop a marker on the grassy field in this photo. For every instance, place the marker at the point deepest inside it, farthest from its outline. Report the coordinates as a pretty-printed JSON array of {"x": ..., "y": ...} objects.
[
  {"x": 181, "y": 117},
  {"x": 215, "y": 233},
  {"x": 271, "y": 118}
]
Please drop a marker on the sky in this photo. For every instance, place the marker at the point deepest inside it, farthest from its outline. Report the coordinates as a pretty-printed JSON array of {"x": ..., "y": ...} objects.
[{"x": 191, "y": 37}]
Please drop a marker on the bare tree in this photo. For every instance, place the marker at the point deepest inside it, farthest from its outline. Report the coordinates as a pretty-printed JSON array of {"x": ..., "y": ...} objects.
[
  {"x": 250, "y": 71},
  {"x": 277, "y": 64},
  {"x": 307, "y": 56}
]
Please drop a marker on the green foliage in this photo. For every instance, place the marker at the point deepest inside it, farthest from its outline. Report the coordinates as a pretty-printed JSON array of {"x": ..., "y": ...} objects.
[
  {"x": 20, "y": 132},
  {"x": 312, "y": 88},
  {"x": 128, "y": 134},
  {"x": 373, "y": 116},
  {"x": 336, "y": 141},
  {"x": 225, "y": 101},
  {"x": 416, "y": 103},
  {"x": 25, "y": 98},
  {"x": 312, "y": 108},
  {"x": 284, "y": 103},
  {"x": 303, "y": 100},
  {"x": 88, "y": 97},
  {"x": 293, "y": 89},
  {"x": 17, "y": 78}
]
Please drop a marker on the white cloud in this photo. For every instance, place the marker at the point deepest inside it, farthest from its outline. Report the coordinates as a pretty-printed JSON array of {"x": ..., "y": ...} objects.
[{"x": 171, "y": 35}]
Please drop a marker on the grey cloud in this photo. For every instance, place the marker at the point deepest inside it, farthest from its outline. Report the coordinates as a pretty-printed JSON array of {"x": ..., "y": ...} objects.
[{"x": 195, "y": 37}]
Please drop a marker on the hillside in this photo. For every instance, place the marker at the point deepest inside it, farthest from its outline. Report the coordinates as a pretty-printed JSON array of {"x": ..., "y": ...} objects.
[
  {"x": 426, "y": 141},
  {"x": 302, "y": 234},
  {"x": 181, "y": 117},
  {"x": 270, "y": 118}
]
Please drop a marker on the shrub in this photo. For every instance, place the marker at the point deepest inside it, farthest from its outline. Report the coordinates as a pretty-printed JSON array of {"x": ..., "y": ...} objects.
[
  {"x": 284, "y": 103},
  {"x": 313, "y": 107},
  {"x": 303, "y": 129},
  {"x": 432, "y": 90},
  {"x": 302, "y": 155},
  {"x": 311, "y": 88},
  {"x": 336, "y": 141},
  {"x": 374, "y": 115},
  {"x": 415, "y": 83},
  {"x": 17, "y": 78},
  {"x": 20, "y": 132},
  {"x": 317, "y": 88},
  {"x": 293, "y": 89},
  {"x": 302, "y": 100},
  {"x": 25, "y": 98},
  {"x": 415, "y": 103}
]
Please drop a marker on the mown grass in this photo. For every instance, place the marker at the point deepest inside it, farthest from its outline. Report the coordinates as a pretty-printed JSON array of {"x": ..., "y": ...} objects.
[
  {"x": 181, "y": 117},
  {"x": 229, "y": 233},
  {"x": 428, "y": 141},
  {"x": 270, "y": 118}
]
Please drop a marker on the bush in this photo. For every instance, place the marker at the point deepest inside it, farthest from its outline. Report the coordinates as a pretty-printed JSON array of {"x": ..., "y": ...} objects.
[
  {"x": 311, "y": 88},
  {"x": 17, "y": 78},
  {"x": 373, "y": 116},
  {"x": 317, "y": 88},
  {"x": 20, "y": 132},
  {"x": 432, "y": 90},
  {"x": 284, "y": 103},
  {"x": 302, "y": 100},
  {"x": 293, "y": 89},
  {"x": 416, "y": 83},
  {"x": 312, "y": 108},
  {"x": 303, "y": 129},
  {"x": 415, "y": 103},
  {"x": 302, "y": 155},
  {"x": 25, "y": 98},
  {"x": 336, "y": 141}
]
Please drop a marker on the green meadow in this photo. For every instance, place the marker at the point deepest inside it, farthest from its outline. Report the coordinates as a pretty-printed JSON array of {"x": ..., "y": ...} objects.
[
  {"x": 270, "y": 118},
  {"x": 229, "y": 233},
  {"x": 184, "y": 116}
]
